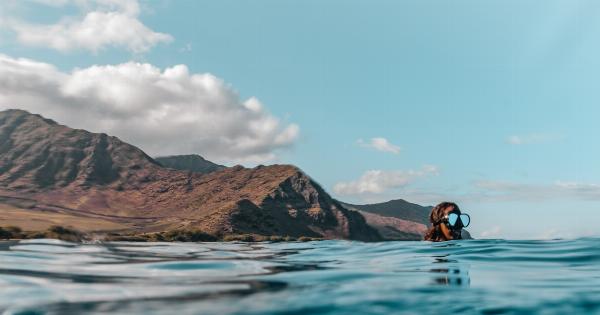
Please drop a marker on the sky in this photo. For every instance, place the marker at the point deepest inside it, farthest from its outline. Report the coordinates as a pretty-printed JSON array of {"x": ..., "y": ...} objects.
[{"x": 491, "y": 104}]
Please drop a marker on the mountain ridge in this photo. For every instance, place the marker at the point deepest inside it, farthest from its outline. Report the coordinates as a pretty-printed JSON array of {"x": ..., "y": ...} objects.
[
  {"x": 95, "y": 173},
  {"x": 189, "y": 162},
  {"x": 396, "y": 208}
]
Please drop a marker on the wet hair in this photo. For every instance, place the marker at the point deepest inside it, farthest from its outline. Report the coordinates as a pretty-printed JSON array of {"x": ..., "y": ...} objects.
[{"x": 436, "y": 217}]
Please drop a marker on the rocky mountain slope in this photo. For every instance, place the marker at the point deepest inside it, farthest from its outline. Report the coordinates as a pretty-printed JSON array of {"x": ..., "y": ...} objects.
[
  {"x": 398, "y": 208},
  {"x": 396, "y": 219},
  {"x": 391, "y": 228},
  {"x": 38, "y": 153},
  {"x": 192, "y": 162},
  {"x": 76, "y": 173}
]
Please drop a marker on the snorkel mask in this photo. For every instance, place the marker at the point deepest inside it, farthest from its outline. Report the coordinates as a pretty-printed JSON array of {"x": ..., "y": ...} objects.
[{"x": 455, "y": 221}]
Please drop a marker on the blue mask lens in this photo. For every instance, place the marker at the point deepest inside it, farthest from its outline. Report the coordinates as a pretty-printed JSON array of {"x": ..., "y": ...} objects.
[
  {"x": 452, "y": 218},
  {"x": 465, "y": 218}
]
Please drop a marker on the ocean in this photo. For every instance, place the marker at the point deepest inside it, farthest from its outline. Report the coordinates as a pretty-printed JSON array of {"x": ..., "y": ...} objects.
[{"x": 325, "y": 277}]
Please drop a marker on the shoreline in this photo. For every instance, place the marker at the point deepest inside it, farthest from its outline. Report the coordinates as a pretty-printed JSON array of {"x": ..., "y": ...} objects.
[
  {"x": 72, "y": 235},
  {"x": 12, "y": 233}
]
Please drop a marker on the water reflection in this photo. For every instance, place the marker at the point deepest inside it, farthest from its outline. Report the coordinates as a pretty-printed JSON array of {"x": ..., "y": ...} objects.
[{"x": 450, "y": 273}]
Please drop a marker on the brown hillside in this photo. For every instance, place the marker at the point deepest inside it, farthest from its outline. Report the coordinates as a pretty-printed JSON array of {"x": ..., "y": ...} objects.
[{"x": 79, "y": 173}]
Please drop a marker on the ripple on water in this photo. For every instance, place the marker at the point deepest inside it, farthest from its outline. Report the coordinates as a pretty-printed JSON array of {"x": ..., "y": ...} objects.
[{"x": 328, "y": 277}]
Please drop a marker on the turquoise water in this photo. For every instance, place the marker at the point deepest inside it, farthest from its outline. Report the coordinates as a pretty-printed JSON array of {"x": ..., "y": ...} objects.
[{"x": 329, "y": 277}]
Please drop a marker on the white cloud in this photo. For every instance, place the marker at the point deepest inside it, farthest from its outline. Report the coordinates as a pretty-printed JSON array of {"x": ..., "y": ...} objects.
[
  {"x": 380, "y": 144},
  {"x": 494, "y": 232},
  {"x": 555, "y": 233},
  {"x": 378, "y": 181},
  {"x": 550, "y": 234},
  {"x": 186, "y": 48},
  {"x": 103, "y": 23},
  {"x": 533, "y": 138},
  {"x": 166, "y": 111}
]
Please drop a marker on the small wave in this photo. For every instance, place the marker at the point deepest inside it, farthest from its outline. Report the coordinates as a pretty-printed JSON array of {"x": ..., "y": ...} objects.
[{"x": 327, "y": 277}]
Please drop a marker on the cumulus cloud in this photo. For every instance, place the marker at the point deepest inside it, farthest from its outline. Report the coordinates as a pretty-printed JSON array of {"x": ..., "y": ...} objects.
[
  {"x": 379, "y": 144},
  {"x": 103, "y": 23},
  {"x": 532, "y": 138},
  {"x": 168, "y": 111},
  {"x": 378, "y": 181}
]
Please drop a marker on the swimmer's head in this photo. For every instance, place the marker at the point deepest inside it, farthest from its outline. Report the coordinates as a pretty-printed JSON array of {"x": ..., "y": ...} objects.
[{"x": 447, "y": 222}]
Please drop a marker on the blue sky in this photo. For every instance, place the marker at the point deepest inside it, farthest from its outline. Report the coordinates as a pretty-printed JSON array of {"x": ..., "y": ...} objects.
[{"x": 492, "y": 104}]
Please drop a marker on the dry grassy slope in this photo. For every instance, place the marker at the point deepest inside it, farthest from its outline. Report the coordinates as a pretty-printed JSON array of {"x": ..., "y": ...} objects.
[
  {"x": 31, "y": 220},
  {"x": 101, "y": 175},
  {"x": 392, "y": 228}
]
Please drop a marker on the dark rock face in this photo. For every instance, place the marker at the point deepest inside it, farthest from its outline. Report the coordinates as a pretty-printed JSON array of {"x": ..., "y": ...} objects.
[
  {"x": 95, "y": 175},
  {"x": 307, "y": 206},
  {"x": 192, "y": 162}
]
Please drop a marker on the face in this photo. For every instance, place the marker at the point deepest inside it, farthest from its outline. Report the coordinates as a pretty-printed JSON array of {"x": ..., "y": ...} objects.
[{"x": 449, "y": 234}]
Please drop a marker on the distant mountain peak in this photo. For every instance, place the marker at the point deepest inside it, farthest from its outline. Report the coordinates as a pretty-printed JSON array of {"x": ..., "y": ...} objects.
[
  {"x": 397, "y": 208},
  {"x": 14, "y": 112},
  {"x": 36, "y": 152},
  {"x": 189, "y": 162}
]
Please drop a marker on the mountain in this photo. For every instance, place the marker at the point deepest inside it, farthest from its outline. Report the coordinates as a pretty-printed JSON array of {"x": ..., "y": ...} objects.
[
  {"x": 39, "y": 154},
  {"x": 58, "y": 175},
  {"x": 398, "y": 208},
  {"x": 398, "y": 219},
  {"x": 191, "y": 162},
  {"x": 391, "y": 228}
]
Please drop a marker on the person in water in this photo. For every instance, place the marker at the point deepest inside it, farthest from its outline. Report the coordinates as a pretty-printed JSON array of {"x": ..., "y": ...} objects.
[{"x": 447, "y": 223}]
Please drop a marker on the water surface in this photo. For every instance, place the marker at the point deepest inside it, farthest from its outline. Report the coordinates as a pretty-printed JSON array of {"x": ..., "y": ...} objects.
[{"x": 328, "y": 277}]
